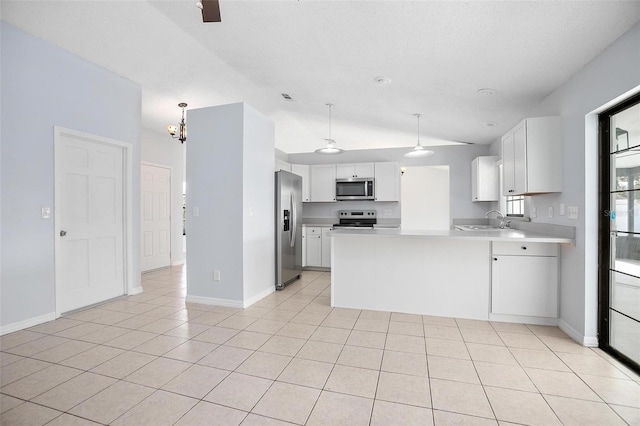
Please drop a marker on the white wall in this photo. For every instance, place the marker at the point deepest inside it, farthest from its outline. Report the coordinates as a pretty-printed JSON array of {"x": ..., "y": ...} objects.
[
  {"x": 230, "y": 180},
  {"x": 613, "y": 74},
  {"x": 258, "y": 204},
  {"x": 458, "y": 158},
  {"x": 160, "y": 148},
  {"x": 43, "y": 86},
  {"x": 425, "y": 198}
]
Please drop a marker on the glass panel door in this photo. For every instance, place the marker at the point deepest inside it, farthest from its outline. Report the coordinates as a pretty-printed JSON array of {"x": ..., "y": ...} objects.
[{"x": 620, "y": 276}]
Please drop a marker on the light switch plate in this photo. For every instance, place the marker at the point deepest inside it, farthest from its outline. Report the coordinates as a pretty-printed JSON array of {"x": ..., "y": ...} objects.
[
  {"x": 46, "y": 213},
  {"x": 573, "y": 212},
  {"x": 534, "y": 212},
  {"x": 196, "y": 212}
]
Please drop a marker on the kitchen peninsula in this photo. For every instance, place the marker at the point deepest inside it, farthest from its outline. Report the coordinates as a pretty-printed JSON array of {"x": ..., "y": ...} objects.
[{"x": 498, "y": 274}]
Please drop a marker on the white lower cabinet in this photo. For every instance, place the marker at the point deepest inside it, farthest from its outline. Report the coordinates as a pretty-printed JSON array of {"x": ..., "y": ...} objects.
[
  {"x": 314, "y": 246},
  {"x": 317, "y": 246},
  {"x": 524, "y": 279}
]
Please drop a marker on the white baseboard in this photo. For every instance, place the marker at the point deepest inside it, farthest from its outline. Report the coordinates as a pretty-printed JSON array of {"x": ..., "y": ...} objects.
[
  {"x": 577, "y": 336},
  {"x": 214, "y": 301},
  {"x": 523, "y": 319},
  {"x": 259, "y": 296},
  {"x": 21, "y": 325},
  {"x": 135, "y": 290},
  {"x": 229, "y": 302},
  {"x": 178, "y": 262}
]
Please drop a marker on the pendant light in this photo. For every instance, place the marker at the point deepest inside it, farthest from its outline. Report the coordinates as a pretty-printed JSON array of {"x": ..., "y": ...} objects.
[
  {"x": 182, "y": 135},
  {"x": 331, "y": 148},
  {"x": 419, "y": 150}
]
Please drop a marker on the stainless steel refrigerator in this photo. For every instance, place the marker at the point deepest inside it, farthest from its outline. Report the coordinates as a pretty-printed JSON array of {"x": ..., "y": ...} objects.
[{"x": 288, "y": 228}]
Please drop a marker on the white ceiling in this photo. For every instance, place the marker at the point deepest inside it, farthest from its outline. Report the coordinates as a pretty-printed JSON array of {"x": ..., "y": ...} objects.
[{"x": 436, "y": 53}]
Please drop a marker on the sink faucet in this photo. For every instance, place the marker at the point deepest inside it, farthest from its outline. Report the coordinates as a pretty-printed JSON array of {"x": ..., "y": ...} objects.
[{"x": 500, "y": 217}]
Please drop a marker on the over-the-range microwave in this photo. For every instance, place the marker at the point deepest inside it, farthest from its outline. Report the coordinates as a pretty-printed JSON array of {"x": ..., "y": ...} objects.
[{"x": 354, "y": 189}]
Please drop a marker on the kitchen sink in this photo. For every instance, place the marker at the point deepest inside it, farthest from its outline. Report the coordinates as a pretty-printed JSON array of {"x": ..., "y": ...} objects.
[{"x": 477, "y": 228}]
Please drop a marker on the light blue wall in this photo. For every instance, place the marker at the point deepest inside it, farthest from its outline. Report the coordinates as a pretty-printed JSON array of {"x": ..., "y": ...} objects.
[
  {"x": 612, "y": 74},
  {"x": 230, "y": 181},
  {"x": 43, "y": 86},
  {"x": 214, "y": 188}
]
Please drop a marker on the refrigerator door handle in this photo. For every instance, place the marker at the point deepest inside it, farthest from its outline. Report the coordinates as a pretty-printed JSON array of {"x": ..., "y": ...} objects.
[{"x": 294, "y": 221}]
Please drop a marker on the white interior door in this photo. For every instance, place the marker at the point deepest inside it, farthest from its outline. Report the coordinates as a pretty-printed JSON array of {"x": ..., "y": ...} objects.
[
  {"x": 90, "y": 216},
  {"x": 156, "y": 217}
]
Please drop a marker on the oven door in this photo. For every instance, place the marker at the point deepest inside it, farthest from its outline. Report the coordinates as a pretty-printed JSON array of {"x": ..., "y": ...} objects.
[{"x": 354, "y": 189}]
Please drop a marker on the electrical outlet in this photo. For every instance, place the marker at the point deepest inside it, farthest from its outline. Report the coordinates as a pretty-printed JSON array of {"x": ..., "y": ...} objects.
[
  {"x": 216, "y": 275},
  {"x": 573, "y": 212},
  {"x": 386, "y": 212},
  {"x": 550, "y": 211},
  {"x": 534, "y": 212},
  {"x": 562, "y": 208}
]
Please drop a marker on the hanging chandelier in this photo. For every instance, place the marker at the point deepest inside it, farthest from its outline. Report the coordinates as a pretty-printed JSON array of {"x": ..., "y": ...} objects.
[{"x": 182, "y": 131}]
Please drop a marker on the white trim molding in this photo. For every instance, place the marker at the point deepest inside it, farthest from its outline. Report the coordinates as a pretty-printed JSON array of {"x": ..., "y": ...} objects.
[
  {"x": 135, "y": 290},
  {"x": 259, "y": 296},
  {"x": 588, "y": 341},
  {"x": 29, "y": 322},
  {"x": 230, "y": 302},
  {"x": 214, "y": 301}
]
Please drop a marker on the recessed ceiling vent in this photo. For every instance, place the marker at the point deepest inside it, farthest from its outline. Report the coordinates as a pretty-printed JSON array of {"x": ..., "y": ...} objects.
[
  {"x": 487, "y": 92},
  {"x": 286, "y": 97}
]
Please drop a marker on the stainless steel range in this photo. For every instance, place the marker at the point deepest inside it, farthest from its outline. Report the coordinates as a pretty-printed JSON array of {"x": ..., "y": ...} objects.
[{"x": 356, "y": 219}]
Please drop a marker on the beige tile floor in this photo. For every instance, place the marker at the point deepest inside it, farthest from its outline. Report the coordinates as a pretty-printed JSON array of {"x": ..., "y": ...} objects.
[{"x": 151, "y": 359}]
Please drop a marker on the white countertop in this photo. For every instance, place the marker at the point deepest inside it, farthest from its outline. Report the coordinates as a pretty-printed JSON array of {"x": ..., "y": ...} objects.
[{"x": 514, "y": 235}]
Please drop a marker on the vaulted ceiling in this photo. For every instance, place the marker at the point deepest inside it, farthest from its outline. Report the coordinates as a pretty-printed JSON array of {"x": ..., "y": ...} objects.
[{"x": 436, "y": 54}]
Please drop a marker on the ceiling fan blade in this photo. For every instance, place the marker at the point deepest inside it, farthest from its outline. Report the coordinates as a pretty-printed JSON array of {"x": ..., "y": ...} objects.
[{"x": 211, "y": 11}]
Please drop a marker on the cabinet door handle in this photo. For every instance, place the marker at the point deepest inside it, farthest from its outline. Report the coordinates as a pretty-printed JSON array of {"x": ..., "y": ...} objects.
[
  {"x": 495, "y": 258},
  {"x": 524, "y": 247}
]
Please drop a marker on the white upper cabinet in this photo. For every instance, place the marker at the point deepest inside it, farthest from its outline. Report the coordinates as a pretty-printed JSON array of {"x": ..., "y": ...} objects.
[
  {"x": 302, "y": 170},
  {"x": 532, "y": 157},
  {"x": 387, "y": 182},
  {"x": 485, "y": 182},
  {"x": 323, "y": 182},
  {"x": 282, "y": 165},
  {"x": 321, "y": 178},
  {"x": 353, "y": 170}
]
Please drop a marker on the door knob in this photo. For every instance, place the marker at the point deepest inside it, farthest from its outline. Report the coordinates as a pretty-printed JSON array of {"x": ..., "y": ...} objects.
[{"x": 63, "y": 233}]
